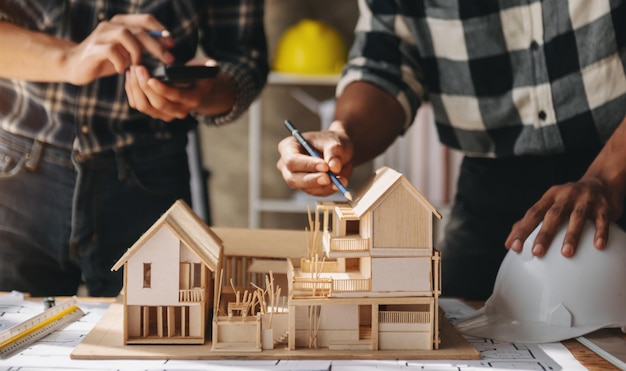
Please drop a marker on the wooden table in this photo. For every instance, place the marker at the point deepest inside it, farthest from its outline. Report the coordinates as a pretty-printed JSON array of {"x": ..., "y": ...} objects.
[{"x": 587, "y": 357}]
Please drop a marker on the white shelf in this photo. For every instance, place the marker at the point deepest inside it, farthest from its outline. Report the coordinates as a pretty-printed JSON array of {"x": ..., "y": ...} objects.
[
  {"x": 257, "y": 205},
  {"x": 279, "y": 78}
]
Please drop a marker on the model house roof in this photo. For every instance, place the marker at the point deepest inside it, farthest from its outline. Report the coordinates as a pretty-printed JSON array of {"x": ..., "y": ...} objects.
[
  {"x": 189, "y": 228},
  {"x": 383, "y": 181}
]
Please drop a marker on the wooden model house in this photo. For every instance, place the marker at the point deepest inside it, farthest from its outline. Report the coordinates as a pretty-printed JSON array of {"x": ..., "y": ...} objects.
[
  {"x": 371, "y": 283},
  {"x": 375, "y": 284},
  {"x": 368, "y": 280},
  {"x": 168, "y": 280}
]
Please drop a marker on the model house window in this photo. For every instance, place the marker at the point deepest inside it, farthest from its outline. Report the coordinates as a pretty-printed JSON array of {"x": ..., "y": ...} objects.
[
  {"x": 190, "y": 276},
  {"x": 147, "y": 275},
  {"x": 197, "y": 275},
  {"x": 352, "y": 227}
]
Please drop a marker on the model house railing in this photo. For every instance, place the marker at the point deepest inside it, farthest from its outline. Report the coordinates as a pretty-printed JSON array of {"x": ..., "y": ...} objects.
[
  {"x": 352, "y": 243},
  {"x": 403, "y": 317},
  {"x": 312, "y": 286},
  {"x": 326, "y": 286},
  {"x": 191, "y": 296},
  {"x": 352, "y": 285}
]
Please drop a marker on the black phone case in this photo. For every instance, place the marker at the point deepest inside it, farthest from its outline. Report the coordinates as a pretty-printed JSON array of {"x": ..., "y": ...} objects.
[{"x": 184, "y": 74}]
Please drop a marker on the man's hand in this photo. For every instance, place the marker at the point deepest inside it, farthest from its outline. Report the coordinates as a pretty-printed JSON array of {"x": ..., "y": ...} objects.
[
  {"x": 598, "y": 196},
  {"x": 114, "y": 46},
  {"x": 308, "y": 173},
  {"x": 367, "y": 121},
  {"x": 588, "y": 198},
  {"x": 159, "y": 100}
]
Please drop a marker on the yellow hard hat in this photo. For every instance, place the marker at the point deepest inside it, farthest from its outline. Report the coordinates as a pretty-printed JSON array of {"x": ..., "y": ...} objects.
[{"x": 310, "y": 46}]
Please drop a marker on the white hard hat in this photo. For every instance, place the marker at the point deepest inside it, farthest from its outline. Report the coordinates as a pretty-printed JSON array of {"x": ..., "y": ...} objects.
[{"x": 553, "y": 298}]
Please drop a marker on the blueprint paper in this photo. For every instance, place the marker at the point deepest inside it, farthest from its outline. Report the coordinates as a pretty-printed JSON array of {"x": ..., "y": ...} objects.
[{"x": 53, "y": 351}]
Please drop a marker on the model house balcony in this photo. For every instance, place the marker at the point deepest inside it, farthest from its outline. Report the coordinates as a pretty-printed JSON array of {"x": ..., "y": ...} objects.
[
  {"x": 345, "y": 244},
  {"x": 325, "y": 287},
  {"x": 191, "y": 296},
  {"x": 313, "y": 287},
  {"x": 352, "y": 285},
  {"x": 328, "y": 266}
]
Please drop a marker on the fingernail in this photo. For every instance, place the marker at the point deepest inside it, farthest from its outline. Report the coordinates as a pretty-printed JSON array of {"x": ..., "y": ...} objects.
[
  {"x": 599, "y": 243},
  {"x": 537, "y": 250},
  {"x": 335, "y": 163},
  {"x": 567, "y": 250},
  {"x": 323, "y": 180},
  {"x": 168, "y": 57},
  {"x": 517, "y": 245},
  {"x": 141, "y": 74},
  {"x": 321, "y": 168}
]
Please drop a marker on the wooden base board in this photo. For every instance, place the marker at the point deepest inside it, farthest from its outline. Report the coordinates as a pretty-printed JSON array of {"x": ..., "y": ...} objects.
[{"x": 105, "y": 341}]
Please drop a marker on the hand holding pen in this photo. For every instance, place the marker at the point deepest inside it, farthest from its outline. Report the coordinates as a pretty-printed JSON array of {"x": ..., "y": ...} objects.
[
  {"x": 312, "y": 152},
  {"x": 159, "y": 33},
  {"x": 111, "y": 48}
]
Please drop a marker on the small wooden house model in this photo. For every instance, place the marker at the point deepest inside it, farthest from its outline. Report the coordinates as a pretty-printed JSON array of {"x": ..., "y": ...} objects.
[
  {"x": 168, "y": 280},
  {"x": 375, "y": 284},
  {"x": 371, "y": 283}
]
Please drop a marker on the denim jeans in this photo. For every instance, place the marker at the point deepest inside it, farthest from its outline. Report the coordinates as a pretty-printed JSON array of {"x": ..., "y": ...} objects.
[
  {"x": 493, "y": 194},
  {"x": 67, "y": 218}
]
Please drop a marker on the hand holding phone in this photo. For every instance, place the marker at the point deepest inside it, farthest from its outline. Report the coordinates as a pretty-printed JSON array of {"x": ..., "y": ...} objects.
[{"x": 183, "y": 76}]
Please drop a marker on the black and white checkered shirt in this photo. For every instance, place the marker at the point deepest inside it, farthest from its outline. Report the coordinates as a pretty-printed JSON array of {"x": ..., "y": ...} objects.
[
  {"x": 507, "y": 77},
  {"x": 96, "y": 117}
]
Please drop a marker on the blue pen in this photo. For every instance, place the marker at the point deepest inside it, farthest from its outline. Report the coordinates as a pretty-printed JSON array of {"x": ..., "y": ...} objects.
[
  {"x": 312, "y": 152},
  {"x": 159, "y": 33}
]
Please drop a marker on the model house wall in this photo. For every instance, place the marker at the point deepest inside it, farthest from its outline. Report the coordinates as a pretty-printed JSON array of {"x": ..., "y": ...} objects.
[{"x": 168, "y": 280}]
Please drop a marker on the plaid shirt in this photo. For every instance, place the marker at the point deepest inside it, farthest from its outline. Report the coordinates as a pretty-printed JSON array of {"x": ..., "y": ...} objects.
[
  {"x": 96, "y": 117},
  {"x": 506, "y": 77}
]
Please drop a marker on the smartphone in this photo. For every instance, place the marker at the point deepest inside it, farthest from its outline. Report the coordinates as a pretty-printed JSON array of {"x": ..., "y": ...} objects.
[{"x": 184, "y": 75}]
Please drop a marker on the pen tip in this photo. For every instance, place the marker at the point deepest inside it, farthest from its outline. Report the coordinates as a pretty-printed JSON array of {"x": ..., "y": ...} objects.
[
  {"x": 165, "y": 33},
  {"x": 348, "y": 195}
]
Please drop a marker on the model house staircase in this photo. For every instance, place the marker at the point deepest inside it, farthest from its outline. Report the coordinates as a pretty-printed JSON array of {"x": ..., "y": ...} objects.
[{"x": 282, "y": 339}]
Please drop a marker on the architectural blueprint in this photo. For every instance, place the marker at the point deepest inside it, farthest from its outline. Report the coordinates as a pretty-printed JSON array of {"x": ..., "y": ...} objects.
[{"x": 53, "y": 351}]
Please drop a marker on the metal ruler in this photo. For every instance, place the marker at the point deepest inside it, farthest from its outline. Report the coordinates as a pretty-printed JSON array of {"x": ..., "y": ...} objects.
[{"x": 25, "y": 333}]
